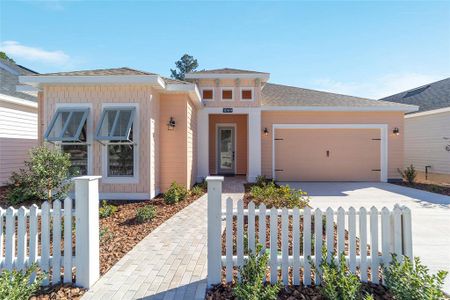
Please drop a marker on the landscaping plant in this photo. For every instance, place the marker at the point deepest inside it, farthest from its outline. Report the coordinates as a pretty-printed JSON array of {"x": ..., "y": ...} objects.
[
  {"x": 105, "y": 235},
  {"x": 262, "y": 180},
  {"x": 175, "y": 193},
  {"x": 17, "y": 285},
  {"x": 45, "y": 177},
  {"x": 251, "y": 285},
  {"x": 411, "y": 280},
  {"x": 106, "y": 210},
  {"x": 278, "y": 196},
  {"x": 196, "y": 191},
  {"x": 145, "y": 214},
  {"x": 409, "y": 174}
]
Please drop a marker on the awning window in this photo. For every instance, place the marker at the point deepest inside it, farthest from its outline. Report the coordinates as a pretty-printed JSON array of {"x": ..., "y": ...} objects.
[
  {"x": 116, "y": 124},
  {"x": 67, "y": 125}
]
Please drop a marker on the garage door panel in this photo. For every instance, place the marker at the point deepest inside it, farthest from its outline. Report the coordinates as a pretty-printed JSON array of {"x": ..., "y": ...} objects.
[{"x": 327, "y": 154}]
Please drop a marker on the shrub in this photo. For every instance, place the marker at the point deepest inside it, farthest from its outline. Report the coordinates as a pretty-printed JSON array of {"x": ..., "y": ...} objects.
[
  {"x": 45, "y": 177},
  {"x": 196, "y": 191},
  {"x": 145, "y": 214},
  {"x": 251, "y": 286},
  {"x": 262, "y": 180},
  {"x": 16, "y": 284},
  {"x": 337, "y": 282},
  {"x": 279, "y": 196},
  {"x": 106, "y": 210},
  {"x": 408, "y": 280},
  {"x": 409, "y": 174},
  {"x": 175, "y": 193},
  {"x": 105, "y": 235}
]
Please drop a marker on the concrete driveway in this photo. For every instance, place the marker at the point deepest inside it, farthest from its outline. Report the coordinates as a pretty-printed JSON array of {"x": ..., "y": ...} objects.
[{"x": 430, "y": 213}]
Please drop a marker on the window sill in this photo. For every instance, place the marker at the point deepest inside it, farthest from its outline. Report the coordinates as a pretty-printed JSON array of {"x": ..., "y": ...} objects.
[{"x": 124, "y": 180}]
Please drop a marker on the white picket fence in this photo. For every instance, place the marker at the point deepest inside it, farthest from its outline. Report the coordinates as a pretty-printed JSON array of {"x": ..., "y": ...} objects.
[
  {"x": 384, "y": 231},
  {"x": 44, "y": 236}
]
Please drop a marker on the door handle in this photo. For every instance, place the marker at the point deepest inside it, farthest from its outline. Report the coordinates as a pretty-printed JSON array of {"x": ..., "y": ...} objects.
[
  {"x": 233, "y": 155},
  {"x": 328, "y": 153}
]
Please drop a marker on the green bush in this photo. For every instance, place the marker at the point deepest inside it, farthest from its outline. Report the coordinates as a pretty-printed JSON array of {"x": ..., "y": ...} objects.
[
  {"x": 408, "y": 280},
  {"x": 278, "y": 196},
  {"x": 262, "y": 180},
  {"x": 337, "y": 282},
  {"x": 45, "y": 177},
  {"x": 16, "y": 284},
  {"x": 409, "y": 174},
  {"x": 175, "y": 193},
  {"x": 106, "y": 210},
  {"x": 145, "y": 214},
  {"x": 105, "y": 235},
  {"x": 196, "y": 191},
  {"x": 251, "y": 286}
]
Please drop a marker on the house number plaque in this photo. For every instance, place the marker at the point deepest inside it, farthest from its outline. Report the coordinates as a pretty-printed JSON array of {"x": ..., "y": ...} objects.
[{"x": 227, "y": 110}]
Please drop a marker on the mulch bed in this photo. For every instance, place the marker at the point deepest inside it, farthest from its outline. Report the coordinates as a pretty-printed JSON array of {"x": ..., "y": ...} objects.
[{"x": 429, "y": 187}]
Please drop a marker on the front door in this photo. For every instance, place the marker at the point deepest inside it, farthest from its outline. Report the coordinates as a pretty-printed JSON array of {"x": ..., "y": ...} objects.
[{"x": 226, "y": 150}]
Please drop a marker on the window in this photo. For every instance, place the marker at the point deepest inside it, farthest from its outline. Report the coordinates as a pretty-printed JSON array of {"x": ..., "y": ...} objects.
[
  {"x": 227, "y": 94},
  {"x": 69, "y": 127},
  {"x": 247, "y": 94},
  {"x": 207, "y": 94},
  {"x": 116, "y": 130}
]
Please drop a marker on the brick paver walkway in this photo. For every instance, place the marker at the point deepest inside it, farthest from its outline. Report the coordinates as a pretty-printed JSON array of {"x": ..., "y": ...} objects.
[{"x": 170, "y": 263}]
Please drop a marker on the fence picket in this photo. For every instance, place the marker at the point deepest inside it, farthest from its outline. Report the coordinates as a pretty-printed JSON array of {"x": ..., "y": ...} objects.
[
  {"x": 397, "y": 232},
  {"x": 240, "y": 234},
  {"x": 273, "y": 245},
  {"x": 10, "y": 238},
  {"x": 330, "y": 233},
  {"x": 262, "y": 226},
  {"x": 296, "y": 246},
  {"x": 318, "y": 235},
  {"x": 306, "y": 245},
  {"x": 56, "y": 233},
  {"x": 45, "y": 240},
  {"x": 67, "y": 240},
  {"x": 385, "y": 235},
  {"x": 352, "y": 239},
  {"x": 229, "y": 240},
  {"x": 374, "y": 244},
  {"x": 407, "y": 233},
  {"x": 33, "y": 236},
  {"x": 2, "y": 214},
  {"x": 251, "y": 227},
  {"x": 285, "y": 246},
  {"x": 341, "y": 231},
  {"x": 363, "y": 243},
  {"x": 21, "y": 238}
]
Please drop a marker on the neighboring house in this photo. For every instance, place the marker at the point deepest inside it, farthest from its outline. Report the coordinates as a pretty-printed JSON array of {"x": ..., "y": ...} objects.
[
  {"x": 427, "y": 132},
  {"x": 141, "y": 131},
  {"x": 18, "y": 120}
]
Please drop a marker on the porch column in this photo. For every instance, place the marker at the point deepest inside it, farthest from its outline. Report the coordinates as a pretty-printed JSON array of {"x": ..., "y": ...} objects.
[
  {"x": 202, "y": 144},
  {"x": 254, "y": 145}
]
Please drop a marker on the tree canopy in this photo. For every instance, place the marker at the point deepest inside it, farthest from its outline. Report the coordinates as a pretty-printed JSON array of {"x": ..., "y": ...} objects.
[
  {"x": 5, "y": 56},
  {"x": 185, "y": 64}
]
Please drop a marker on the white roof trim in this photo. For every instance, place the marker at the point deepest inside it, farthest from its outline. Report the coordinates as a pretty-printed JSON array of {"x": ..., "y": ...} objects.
[
  {"x": 265, "y": 76},
  {"x": 192, "y": 89},
  {"x": 403, "y": 108},
  {"x": 19, "y": 101},
  {"x": 36, "y": 81},
  {"x": 429, "y": 112},
  {"x": 27, "y": 89}
]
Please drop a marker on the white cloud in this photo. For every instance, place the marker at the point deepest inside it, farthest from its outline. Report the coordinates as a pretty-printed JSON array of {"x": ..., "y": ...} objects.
[
  {"x": 376, "y": 88},
  {"x": 33, "y": 54}
]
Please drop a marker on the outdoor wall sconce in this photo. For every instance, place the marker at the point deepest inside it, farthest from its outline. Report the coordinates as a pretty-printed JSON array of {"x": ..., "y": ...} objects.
[
  {"x": 266, "y": 131},
  {"x": 171, "y": 124},
  {"x": 396, "y": 131}
]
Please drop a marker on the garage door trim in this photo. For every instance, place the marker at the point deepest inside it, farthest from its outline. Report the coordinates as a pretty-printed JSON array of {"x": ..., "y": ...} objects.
[{"x": 383, "y": 145}]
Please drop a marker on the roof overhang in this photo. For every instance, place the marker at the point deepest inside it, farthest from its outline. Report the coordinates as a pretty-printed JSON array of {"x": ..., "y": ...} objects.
[
  {"x": 27, "y": 89},
  {"x": 18, "y": 101},
  {"x": 191, "y": 89},
  {"x": 263, "y": 76},
  {"x": 429, "y": 112},
  {"x": 400, "y": 108}
]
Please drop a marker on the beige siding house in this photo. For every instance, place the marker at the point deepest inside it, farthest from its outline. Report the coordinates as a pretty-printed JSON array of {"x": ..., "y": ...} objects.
[{"x": 142, "y": 132}]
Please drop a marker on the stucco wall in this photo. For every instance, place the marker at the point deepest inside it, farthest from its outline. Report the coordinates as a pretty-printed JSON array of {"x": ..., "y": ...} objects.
[{"x": 393, "y": 119}]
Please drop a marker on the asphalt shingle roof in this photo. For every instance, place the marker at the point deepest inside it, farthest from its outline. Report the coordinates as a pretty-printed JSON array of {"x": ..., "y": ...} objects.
[
  {"x": 283, "y": 95},
  {"x": 430, "y": 96},
  {"x": 9, "y": 79},
  {"x": 227, "y": 71}
]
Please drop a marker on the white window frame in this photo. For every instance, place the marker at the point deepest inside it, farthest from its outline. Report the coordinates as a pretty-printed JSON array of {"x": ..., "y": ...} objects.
[
  {"x": 89, "y": 131},
  {"x": 252, "y": 89},
  {"x": 227, "y": 89},
  {"x": 136, "y": 128},
  {"x": 208, "y": 88}
]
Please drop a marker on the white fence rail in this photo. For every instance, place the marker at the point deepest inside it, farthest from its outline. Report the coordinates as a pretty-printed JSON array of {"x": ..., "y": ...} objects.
[
  {"x": 293, "y": 238},
  {"x": 45, "y": 236}
]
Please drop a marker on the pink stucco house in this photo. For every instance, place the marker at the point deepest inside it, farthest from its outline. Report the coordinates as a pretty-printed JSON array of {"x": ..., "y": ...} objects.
[{"x": 142, "y": 131}]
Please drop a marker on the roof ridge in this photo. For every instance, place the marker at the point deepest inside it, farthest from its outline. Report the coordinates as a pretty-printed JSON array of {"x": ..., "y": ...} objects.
[{"x": 416, "y": 88}]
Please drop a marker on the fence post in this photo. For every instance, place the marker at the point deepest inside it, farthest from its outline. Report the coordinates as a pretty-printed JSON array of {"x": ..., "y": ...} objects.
[
  {"x": 87, "y": 246},
  {"x": 214, "y": 228}
]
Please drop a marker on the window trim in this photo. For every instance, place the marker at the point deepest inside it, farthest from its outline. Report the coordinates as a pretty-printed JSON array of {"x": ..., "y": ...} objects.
[
  {"x": 118, "y": 109},
  {"x": 70, "y": 110},
  {"x": 227, "y": 89},
  {"x": 104, "y": 152},
  {"x": 208, "y": 88},
  {"x": 252, "y": 89}
]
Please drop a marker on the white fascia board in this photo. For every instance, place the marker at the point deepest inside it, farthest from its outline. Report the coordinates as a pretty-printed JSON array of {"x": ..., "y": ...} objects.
[
  {"x": 429, "y": 112},
  {"x": 403, "y": 108},
  {"x": 36, "y": 81},
  {"x": 19, "y": 101},
  {"x": 192, "y": 89},
  {"x": 264, "y": 76}
]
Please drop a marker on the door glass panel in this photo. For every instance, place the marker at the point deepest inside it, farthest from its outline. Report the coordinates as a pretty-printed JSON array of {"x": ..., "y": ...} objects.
[{"x": 226, "y": 149}]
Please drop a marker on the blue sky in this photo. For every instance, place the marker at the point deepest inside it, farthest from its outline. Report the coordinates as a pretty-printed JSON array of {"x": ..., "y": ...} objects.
[{"x": 370, "y": 49}]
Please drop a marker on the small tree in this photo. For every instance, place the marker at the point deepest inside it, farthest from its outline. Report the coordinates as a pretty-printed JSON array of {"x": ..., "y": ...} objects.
[
  {"x": 409, "y": 174},
  {"x": 5, "y": 56},
  {"x": 186, "y": 64}
]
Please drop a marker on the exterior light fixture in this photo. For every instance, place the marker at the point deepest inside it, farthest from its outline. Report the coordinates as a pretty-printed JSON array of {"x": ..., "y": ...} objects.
[
  {"x": 396, "y": 131},
  {"x": 171, "y": 124},
  {"x": 266, "y": 131}
]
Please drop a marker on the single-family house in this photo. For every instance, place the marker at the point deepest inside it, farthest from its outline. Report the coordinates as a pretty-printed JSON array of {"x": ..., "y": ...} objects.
[
  {"x": 18, "y": 120},
  {"x": 427, "y": 132},
  {"x": 142, "y": 131}
]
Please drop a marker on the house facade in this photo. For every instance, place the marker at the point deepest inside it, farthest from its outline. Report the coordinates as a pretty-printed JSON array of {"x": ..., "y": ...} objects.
[{"x": 141, "y": 131}]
